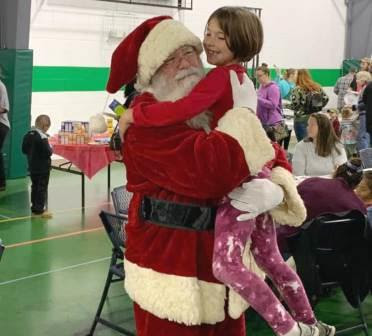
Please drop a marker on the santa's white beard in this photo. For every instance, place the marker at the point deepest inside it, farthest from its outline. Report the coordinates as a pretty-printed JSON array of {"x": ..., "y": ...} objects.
[{"x": 165, "y": 89}]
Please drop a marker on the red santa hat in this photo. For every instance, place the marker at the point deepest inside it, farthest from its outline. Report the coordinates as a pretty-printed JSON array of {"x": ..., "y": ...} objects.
[{"x": 145, "y": 49}]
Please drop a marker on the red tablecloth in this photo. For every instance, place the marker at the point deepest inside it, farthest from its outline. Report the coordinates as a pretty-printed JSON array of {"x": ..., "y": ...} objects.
[{"x": 88, "y": 158}]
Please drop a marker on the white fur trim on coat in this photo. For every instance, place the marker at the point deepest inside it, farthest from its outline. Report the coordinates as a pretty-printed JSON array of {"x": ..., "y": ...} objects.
[
  {"x": 175, "y": 298},
  {"x": 292, "y": 210},
  {"x": 246, "y": 128},
  {"x": 184, "y": 300},
  {"x": 164, "y": 39}
]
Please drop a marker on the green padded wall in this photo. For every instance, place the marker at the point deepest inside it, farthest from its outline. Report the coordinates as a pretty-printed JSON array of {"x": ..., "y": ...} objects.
[
  {"x": 348, "y": 63},
  {"x": 17, "y": 77}
]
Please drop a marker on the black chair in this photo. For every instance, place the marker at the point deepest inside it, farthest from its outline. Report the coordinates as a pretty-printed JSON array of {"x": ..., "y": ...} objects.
[
  {"x": 332, "y": 252},
  {"x": 114, "y": 226},
  {"x": 121, "y": 198}
]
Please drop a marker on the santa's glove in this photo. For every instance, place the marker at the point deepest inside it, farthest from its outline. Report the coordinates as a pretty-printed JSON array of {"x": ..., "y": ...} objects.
[
  {"x": 256, "y": 197},
  {"x": 244, "y": 95}
]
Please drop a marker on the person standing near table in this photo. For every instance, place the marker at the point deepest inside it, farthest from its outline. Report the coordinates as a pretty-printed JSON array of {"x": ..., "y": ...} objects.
[
  {"x": 36, "y": 146},
  {"x": 4, "y": 129},
  {"x": 367, "y": 101},
  {"x": 342, "y": 86}
]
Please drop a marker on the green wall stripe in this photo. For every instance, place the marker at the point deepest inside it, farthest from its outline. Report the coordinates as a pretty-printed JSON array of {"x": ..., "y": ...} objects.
[
  {"x": 59, "y": 78},
  {"x": 54, "y": 78},
  {"x": 326, "y": 77}
]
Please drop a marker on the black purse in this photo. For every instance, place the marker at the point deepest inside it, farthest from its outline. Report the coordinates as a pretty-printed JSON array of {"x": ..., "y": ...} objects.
[
  {"x": 280, "y": 131},
  {"x": 115, "y": 140}
]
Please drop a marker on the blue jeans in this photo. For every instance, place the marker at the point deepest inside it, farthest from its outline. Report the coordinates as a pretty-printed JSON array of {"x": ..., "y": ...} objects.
[
  {"x": 363, "y": 136},
  {"x": 300, "y": 128}
]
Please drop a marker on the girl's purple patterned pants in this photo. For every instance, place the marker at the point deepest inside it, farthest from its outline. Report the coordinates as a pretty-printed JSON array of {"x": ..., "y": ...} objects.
[{"x": 230, "y": 239}]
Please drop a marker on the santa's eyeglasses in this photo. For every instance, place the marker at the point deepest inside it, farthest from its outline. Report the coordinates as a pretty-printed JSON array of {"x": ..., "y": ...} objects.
[{"x": 186, "y": 53}]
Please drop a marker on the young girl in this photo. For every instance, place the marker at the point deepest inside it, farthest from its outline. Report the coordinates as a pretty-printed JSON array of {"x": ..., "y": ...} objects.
[
  {"x": 234, "y": 35},
  {"x": 333, "y": 117},
  {"x": 349, "y": 131}
]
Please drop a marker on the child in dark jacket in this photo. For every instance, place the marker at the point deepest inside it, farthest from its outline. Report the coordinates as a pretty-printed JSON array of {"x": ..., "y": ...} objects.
[{"x": 36, "y": 146}]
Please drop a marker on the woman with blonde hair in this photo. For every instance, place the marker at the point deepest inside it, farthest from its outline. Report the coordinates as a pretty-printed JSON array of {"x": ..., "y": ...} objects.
[
  {"x": 307, "y": 97},
  {"x": 322, "y": 152},
  {"x": 365, "y": 63}
]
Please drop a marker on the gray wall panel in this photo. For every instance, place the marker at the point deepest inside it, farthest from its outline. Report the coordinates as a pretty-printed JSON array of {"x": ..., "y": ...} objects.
[
  {"x": 359, "y": 29},
  {"x": 15, "y": 24}
]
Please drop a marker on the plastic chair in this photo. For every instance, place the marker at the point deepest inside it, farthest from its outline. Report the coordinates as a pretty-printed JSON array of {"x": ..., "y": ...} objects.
[
  {"x": 121, "y": 198},
  {"x": 366, "y": 157},
  {"x": 332, "y": 252},
  {"x": 114, "y": 226}
]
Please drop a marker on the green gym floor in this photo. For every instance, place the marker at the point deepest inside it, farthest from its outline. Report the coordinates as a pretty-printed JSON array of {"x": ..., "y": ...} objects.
[{"x": 53, "y": 270}]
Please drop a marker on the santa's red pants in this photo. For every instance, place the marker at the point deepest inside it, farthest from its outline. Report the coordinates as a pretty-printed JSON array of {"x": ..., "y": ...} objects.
[{"x": 148, "y": 324}]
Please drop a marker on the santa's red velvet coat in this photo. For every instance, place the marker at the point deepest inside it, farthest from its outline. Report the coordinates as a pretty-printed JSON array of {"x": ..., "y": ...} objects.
[{"x": 168, "y": 271}]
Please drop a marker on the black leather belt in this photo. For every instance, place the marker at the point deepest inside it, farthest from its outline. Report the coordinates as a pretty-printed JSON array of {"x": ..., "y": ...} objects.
[{"x": 176, "y": 215}]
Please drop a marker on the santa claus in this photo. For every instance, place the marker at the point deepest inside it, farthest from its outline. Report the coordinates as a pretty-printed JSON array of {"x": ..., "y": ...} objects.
[{"x": 178, "y": 175}]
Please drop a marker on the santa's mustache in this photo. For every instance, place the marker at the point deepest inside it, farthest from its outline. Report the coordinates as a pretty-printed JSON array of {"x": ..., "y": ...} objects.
[{"x": 182, "y": 74}]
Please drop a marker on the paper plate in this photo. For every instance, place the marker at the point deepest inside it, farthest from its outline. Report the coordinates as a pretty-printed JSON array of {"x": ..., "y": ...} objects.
[{"x": 351, "y": 98}]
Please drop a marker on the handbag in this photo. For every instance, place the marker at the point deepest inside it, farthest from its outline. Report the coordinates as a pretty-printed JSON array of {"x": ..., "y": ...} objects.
[
  {"x": 280, "y": 131},
  {"x": 115, "y": 140}
]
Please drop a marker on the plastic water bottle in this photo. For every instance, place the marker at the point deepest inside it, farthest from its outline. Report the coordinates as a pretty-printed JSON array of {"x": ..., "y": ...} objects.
[{"x": 118, "y": 108}]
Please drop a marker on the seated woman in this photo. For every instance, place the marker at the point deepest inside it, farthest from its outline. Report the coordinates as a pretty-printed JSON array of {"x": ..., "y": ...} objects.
[
  {"x": 322, "y": 152},
  {"x": 328, "y": 195}
]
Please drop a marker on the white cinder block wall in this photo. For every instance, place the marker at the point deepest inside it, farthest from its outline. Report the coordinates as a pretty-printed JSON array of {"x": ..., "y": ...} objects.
[{"x": 83, "y": 33}]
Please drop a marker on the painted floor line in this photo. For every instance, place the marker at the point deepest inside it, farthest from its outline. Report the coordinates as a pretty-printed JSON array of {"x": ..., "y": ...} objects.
[
  {"x": 53, "y": 271},
  {"x": 11, "y": 219},
  {"x": 64, "y": 235},
  {"x": 14, "y": 219}
]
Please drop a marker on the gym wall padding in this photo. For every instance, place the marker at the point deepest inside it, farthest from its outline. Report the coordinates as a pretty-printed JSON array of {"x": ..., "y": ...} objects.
[
  {"x": 348, "y": 63},
  {"x": 17, "y": 77}
]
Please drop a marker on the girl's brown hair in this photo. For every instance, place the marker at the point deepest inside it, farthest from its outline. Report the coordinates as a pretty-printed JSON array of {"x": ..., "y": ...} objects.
[
  {"x": 326, "y": 139},
  {"x": 346, "y": 112},
  {"x": 364, "y": 189},
  {"x": 243, "y": 31},
  {"x": 305, "y": 82},
  {"x": 351, "y": 172}
]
